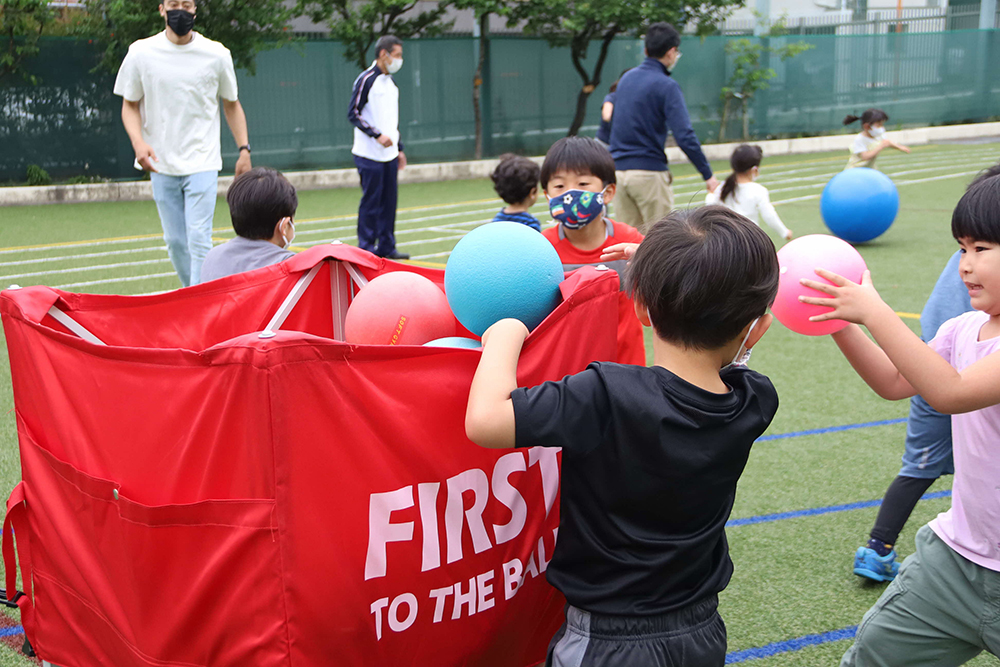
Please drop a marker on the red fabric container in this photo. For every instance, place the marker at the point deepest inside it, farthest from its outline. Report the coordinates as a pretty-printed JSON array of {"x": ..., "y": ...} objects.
[{"x": 196, "y": 492}]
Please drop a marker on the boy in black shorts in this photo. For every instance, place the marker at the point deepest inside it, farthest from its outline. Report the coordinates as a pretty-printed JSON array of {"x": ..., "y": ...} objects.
[{"x": 651, "y": 456}]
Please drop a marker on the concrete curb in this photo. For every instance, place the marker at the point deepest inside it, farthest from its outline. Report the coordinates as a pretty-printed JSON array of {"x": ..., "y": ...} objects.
[{"x": 451, "y": 171}]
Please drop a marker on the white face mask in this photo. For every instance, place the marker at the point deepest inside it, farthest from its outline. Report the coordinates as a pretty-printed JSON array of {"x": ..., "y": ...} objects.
[
  {"x": 877, "y": 132},
  {"x": 742, "y": 355},
  {"x": 676, "y": 60},
  {"x": 394, "y": 65},
  {"x": 288, "y": 241}
]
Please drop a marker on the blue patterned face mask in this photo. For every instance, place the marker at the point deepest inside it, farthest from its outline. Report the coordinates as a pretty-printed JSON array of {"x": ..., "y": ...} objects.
[{"x": 574, "y": 209}]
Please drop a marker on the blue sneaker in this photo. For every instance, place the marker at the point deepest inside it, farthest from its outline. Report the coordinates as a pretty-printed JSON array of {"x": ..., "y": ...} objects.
[{"x": 868, "y": 564}]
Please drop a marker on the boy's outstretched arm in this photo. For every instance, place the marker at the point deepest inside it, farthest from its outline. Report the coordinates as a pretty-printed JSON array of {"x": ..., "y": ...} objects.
[
  {"x": 489, "y": 418},
  {"x": 942, "y": 386}
]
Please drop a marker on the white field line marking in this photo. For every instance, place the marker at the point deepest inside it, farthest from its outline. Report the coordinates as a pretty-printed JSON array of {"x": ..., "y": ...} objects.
[
  {"x": 458, "y": 236},
  {"x": 80, "y": 269},
  {"x": 108, "y": 281}
]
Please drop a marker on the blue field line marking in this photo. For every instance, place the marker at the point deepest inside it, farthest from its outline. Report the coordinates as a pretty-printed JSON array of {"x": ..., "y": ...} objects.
[
  {"x": 789, "y": 645},
  {"x": 832, "y": 429},
  {"x": 813, "y": 511},
  {"x": 11, "y": 631}
]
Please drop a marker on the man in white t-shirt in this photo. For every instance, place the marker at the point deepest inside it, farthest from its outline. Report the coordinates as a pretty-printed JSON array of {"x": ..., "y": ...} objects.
[
  {"x": 171, "y": 84},
  {"x": 378, "y": 152}
]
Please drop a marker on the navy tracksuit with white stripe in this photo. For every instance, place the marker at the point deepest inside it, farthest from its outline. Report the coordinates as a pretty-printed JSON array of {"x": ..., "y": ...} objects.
[{"x": 374, "y": 111}]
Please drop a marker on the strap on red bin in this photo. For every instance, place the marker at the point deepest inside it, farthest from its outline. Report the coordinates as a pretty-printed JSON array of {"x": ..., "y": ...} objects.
[{"x": 15, "y": 522}]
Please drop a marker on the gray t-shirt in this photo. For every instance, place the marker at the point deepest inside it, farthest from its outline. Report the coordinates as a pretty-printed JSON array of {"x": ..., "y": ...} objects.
[{"x": 240, "y": 254}]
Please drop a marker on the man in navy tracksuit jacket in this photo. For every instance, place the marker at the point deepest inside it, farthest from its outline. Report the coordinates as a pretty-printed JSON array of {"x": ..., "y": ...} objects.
[
  {"x": 378, "y": 152},
  {"x": 649, "y": 102}
]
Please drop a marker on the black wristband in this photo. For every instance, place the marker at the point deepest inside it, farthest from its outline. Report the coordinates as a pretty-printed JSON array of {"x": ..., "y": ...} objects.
[{"x": 245, "y": 147}]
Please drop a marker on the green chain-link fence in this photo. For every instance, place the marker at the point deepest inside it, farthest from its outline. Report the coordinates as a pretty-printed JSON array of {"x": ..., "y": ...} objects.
[{"x": 297, "y": 103}]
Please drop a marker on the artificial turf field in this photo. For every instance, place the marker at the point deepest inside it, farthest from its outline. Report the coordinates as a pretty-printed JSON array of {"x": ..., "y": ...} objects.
[{"x": 809, "y": 494}]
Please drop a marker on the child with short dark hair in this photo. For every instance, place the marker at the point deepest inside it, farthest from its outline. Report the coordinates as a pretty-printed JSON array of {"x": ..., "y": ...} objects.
[
  {"x": 941, "y": 608},
  {"x": 516, "y": 181},
  {"x": 262, "y": 206},
  {"x": 578, "y": 177},
  {"x": 871, "y": 140},
  {"x": 650, "y": 456}
]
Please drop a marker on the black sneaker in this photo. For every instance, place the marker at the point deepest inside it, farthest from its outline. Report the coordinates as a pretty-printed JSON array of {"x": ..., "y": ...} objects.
[{"x": 395, "y": 254}]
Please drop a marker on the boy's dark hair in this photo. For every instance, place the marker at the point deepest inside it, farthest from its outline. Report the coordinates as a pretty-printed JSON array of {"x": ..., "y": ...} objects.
[
  {"x": 744, "y": 158},
  {"x": 514, "y": 178},
  {"x": 258, "y": 200},
  {"x": 977, "y": 215},
  {"x": 704, "y": 275},
  {"x": 660, "y": 38},
  {"x": 868, "y": 116},
  {"x": 581, "y": 155},
  {"x": 387, "y": 43}
]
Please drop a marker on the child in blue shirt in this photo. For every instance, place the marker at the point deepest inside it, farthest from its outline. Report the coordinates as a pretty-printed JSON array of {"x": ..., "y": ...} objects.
[{"x": 516, "y": 181}]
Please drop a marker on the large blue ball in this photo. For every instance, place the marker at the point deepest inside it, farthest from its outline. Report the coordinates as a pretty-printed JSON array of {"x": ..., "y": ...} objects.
[
  {"x": 502, "y": 269},
  {"x": 859, "y": 204}
]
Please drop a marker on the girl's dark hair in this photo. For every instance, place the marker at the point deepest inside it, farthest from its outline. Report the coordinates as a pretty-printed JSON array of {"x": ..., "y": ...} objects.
[
  {"x": 977, "y": 215},
  {"x": 258, "y": 200},
  {"x": 704, "y": 275},
  {"x": 514, "y": 178},
  {"x": 744, "y": 158},
  {"x": 869, "y": 116},
  {"x": 614, "y": 86},
  {"x": 580, "y": 155}
]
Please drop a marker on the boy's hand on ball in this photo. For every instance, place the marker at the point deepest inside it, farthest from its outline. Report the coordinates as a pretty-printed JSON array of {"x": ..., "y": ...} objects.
[
  {"x": 506, "y": 329},
  {"x": 619, "y": 251},
  {"x": 849, "y": 300}
]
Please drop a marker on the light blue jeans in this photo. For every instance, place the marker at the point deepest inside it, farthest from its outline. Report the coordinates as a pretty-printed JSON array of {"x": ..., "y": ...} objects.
[{"x": 187, "y": 209}]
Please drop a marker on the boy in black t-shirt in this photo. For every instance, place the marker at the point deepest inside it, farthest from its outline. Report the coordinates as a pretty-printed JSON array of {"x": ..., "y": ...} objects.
[{"x": 651, "y": 456}]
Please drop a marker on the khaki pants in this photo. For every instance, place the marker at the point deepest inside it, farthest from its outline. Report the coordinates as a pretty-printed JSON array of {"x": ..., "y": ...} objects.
[
  {"x": 643, "y": 197},
  {"x": 941, "y": 610}
]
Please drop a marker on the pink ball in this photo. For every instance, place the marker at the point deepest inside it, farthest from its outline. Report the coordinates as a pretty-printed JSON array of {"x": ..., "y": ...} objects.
[
  {"x": 800, "y": 259},
  {"x": 399, "y": 308}
]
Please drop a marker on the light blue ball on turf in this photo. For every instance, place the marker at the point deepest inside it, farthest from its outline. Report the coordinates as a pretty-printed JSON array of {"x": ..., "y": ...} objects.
[
  {"x": 502, "y": 269},
  {"x": 859, "y": 204}
]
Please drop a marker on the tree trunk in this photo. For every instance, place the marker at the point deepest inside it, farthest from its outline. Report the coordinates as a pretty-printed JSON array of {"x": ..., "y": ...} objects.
[
  {"x": 590, "y": 82},
  {"x": 746, "y": 118},
  {"x": 725, "y": 118},
  {"x": 477, "y": 84},
  {"x": 581, "y": 110}
]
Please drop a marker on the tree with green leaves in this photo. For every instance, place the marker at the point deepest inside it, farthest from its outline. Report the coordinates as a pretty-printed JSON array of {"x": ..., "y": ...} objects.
[
  {"x": 750, "y": 75},
  {"x": 359, "y": 24},
  {"x": 482, "y": 9},
  {"x": 245, "y": 27},
  {"x": 22, "y": 23},
  {"x": 578, "y": 23}
]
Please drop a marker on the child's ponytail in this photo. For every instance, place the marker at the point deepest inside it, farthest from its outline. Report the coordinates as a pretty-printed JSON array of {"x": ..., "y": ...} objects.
[
  {"x": 743, "y": 159},
  {"x": 848, "y": 119}
]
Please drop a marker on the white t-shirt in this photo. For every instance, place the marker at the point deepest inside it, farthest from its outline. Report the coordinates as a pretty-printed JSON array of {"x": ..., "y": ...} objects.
[
  {"x": 381, "y": 110},
  {"x": 753, "y": 201},
  {"x": 862, "y": 144},
  {"x": 179, "y": 86}
]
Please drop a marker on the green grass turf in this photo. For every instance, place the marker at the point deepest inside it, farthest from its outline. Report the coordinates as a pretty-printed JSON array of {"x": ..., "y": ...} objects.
[{"x": 793, "y": 576}]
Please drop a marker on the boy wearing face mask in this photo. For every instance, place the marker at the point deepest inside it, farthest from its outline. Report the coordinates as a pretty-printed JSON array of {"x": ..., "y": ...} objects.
[
  {"x": 171, "y": 84},
  {"x": 650, "y": 456},
  {"x": 262, "y": 205},
  {"x": 871, "y": 140},
  {"x": 578, "y": 178}
]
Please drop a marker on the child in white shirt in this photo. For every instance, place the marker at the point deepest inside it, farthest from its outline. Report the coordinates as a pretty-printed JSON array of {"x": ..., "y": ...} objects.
[
  {"x": 741, "y": 194},
  {"x": 871, "y": 140}
]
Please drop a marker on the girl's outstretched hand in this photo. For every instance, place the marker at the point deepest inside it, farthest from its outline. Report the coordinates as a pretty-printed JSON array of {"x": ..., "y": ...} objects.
[
  {"x": 619, "y": 251},
  {"x": 850, "y": 301}
]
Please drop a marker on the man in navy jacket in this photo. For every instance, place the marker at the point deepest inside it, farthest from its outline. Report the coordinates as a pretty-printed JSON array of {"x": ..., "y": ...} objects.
[{"x": 649, "y": 103}]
